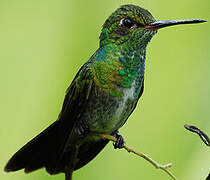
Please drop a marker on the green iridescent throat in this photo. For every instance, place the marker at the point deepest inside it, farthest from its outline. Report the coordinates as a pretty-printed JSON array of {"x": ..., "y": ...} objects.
[{"x": 118, "y": 65}]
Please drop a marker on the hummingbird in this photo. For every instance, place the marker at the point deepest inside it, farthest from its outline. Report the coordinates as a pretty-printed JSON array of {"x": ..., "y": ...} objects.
[{"x": 101, "y": 97}]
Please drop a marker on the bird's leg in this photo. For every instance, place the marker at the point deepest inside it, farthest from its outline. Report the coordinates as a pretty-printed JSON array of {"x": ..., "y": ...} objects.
[
  {"x": 73, "y": 161},
  {"x": 68, "y": 175},
  {"x": 120, "y": 141}
]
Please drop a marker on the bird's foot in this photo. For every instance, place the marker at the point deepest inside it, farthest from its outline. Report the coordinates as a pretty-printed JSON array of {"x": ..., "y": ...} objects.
[{"x": 120, "y": 141}]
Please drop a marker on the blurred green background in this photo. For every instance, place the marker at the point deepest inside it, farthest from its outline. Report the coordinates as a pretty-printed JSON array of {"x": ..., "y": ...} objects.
[{"x": 44, "y": 43}]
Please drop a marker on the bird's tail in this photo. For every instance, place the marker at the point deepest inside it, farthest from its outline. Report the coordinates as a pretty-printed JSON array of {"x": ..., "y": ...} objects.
[{"x": 35, "y": 154}]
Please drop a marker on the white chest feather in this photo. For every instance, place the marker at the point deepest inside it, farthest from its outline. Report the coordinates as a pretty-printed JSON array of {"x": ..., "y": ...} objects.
[{"x": 128, "y": 94}]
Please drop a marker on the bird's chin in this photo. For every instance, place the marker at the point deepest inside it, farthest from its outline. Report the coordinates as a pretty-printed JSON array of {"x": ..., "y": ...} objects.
[
  {"x": 149, "y": 33},
  {"x": 152, "y": 31}
]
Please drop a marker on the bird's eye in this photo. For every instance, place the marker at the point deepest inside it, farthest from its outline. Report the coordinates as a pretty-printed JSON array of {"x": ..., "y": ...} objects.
[{"x": 127, "y": 22}]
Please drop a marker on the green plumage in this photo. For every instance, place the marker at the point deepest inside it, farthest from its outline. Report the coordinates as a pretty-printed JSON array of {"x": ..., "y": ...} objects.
[{"x": 100, "y": 99}]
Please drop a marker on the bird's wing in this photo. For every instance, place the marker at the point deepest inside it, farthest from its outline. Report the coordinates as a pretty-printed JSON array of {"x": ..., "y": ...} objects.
[
  {"x": 48, "y": 148},
  {"x": 76, "y": 99}
]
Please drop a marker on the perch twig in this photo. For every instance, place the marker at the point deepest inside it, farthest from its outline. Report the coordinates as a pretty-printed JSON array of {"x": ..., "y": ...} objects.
[{"x": 145, "y": 156}]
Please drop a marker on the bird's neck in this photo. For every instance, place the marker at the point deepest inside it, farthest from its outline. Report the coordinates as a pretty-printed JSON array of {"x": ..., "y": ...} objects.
[
  {"x": 133, "y": 61},
  {"x": 118, "y": 67}
]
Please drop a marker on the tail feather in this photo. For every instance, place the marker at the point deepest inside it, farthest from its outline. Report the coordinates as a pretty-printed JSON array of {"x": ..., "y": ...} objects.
[{"x": 36, "y": 153}]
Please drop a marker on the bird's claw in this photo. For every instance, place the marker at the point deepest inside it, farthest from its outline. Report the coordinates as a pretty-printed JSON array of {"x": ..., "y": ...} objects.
[{"x": 120, "y": 141}]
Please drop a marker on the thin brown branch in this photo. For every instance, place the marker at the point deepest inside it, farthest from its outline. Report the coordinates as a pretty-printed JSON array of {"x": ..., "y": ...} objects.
[
  {"x": 145, "y": 156},
  {"x": 201, "y": 134}
]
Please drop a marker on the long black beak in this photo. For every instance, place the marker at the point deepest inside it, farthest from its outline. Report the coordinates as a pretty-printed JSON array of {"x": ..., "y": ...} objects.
[{"x": 162, "y": 24}]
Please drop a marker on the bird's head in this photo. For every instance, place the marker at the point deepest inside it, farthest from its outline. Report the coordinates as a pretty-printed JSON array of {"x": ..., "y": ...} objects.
[
  {"x": 125, "y": 22},
  {"x": 134, "y": 22}
]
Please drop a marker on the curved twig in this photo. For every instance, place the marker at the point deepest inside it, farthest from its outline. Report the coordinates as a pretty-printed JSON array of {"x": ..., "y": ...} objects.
[
  {"x": 201, "y": 134},
  {"x": 145, "y": 156}
]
